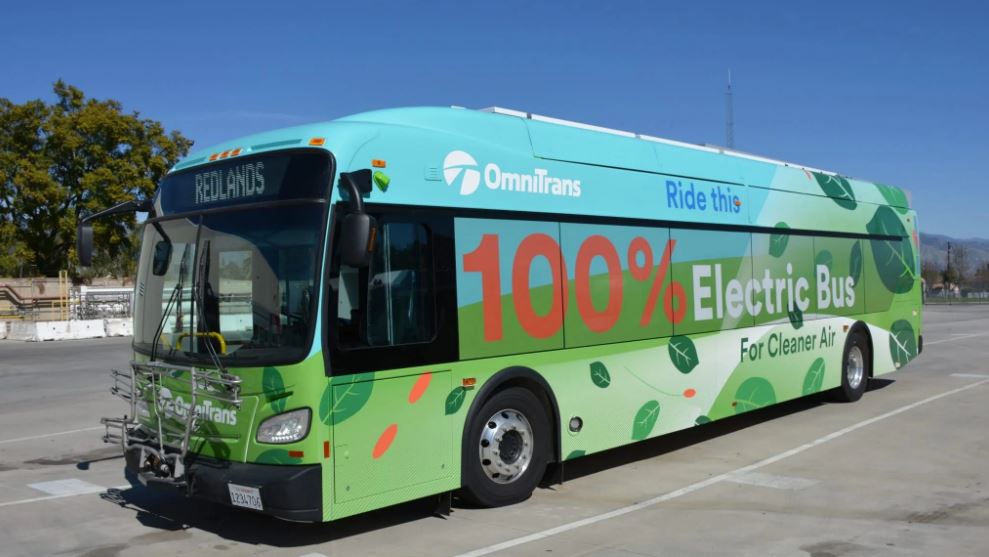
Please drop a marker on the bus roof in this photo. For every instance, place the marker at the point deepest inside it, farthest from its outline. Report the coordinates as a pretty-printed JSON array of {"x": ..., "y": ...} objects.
[{"x": 548, "y": 138}]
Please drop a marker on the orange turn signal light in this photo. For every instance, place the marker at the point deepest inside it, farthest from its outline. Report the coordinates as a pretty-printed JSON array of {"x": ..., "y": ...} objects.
[
  {"x": 317, "y": 141},
  {"x": 378, "y": 163},
  {"x": 469, "y": 382}
]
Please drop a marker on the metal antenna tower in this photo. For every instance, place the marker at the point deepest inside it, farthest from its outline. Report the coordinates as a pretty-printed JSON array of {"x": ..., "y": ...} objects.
[{"x": 730, "y": 116}]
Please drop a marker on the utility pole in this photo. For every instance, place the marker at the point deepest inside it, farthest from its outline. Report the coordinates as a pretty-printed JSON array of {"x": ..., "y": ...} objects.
[{"x": 730, "y": 116}]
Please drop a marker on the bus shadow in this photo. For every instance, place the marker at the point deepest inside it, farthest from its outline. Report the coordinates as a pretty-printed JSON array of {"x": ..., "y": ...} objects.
[
  {"x": 172, "y": 512},
  {"x": 166, "y": 511},
  {"x": 671, "y": 442}
]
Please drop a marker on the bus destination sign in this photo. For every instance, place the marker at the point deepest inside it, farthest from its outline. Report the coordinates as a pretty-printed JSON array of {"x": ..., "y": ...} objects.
[
  {"x": 255, "y": 179},
  {"x": 230, "y": 184}
]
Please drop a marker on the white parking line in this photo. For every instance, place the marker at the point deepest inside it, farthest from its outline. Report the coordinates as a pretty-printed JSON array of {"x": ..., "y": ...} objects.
[
  {"x": 59, "y": 496},
  {"x": 67, "y": 487},
  {"x": 960, "y": 337},
  {"x": 19, "y": 439},
  {"x": 710, "y": 481},
  {"x": 774, "y": 481},
  {"x": 970, "y": 375}
]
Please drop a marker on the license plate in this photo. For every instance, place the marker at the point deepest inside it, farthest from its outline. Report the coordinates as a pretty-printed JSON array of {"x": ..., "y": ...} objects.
[{"x": 247, "y": 497}]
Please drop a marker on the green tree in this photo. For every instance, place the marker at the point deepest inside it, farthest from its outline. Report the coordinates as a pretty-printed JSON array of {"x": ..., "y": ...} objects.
[
  {"x": 930, "y": 272},
  {"x": 960, "y": 261},
  {"x": 71, "y": 158}
]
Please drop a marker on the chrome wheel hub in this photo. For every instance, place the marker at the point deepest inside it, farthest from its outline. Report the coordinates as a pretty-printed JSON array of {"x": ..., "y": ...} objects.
[
  {"x": 505, "y": 446},
  {"x": 855, "y": 367}
]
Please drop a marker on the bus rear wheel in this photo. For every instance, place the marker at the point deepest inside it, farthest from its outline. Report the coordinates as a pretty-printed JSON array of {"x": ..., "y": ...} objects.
[
  {"x": 856, "y": 361},
  {"x": 506, "y": 449}
]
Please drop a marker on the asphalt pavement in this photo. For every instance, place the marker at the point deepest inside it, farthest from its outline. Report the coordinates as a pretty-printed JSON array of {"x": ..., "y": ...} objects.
[{"x": 901, "y": 472}]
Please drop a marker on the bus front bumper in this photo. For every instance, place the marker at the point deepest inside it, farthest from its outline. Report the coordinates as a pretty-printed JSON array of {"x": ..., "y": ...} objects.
[{"x": 287, "y": 492}]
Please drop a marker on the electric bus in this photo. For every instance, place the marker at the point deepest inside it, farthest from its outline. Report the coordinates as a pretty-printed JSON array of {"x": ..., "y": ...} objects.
[{"x": 338, "y": 317}]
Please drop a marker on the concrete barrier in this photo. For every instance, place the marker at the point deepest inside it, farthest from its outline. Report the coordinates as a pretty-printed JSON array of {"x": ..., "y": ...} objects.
[
  {"x": 36, "y": 331},
  {"x": 119, "y": 327},
  {"x": 86, "y": 328}
]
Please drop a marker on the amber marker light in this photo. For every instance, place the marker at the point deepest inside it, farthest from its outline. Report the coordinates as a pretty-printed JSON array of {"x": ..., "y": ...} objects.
[
  {"x": 235, "y": 152},
  {"x": 738, "y": 202},
  {"x": 214, "y": 156},
  {"x": 469, "y": 382},
  {"x": 317, "y": 141},
  {"x": 378, "y": 163}
]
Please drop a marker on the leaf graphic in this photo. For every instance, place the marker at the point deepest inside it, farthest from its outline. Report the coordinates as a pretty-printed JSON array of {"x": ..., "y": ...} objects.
[
  {"x": 683, "y": 353},
  {"x": 701, "y": 420},
  {"x": 575, "y": 454},
  {"x": 645, "y": 420},
  {"x": 384, "y": 441},
  {"x": 815, "y": 377},
  {"x": 343, "y": 401},
  {"x": 894, "y": 197},
  {"x": 902, "y": 342},
  {"x": 272, "y": 383},
  {"x": 600, "y": 375},
  {"x": 837, "y": 188},
  {"x": 894, "y": 257},
  {"x": 754, "y": 393},
  {"x": 825, "y": 258},
  {"x": 796, "y": 317},
  {"x": 855, "y": 263},
  {"x": 455, "y": 400},
  {"x": 778, "y": 240}
]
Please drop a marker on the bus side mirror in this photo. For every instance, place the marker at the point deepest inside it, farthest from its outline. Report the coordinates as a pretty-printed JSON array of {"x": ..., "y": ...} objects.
[
  {"x": 356, "y": 240},
  {"x": 84, "y": 243},
  {"x": 163, "y": 256}
]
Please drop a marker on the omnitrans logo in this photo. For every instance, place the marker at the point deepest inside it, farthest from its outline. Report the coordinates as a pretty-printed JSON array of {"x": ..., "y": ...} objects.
[
  {"x": 205, "y": 410},
  {"x": 460, "y": 165}
]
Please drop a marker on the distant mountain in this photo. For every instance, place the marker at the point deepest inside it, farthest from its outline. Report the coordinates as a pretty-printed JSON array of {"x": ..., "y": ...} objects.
[{"x": 934, "y": 248}]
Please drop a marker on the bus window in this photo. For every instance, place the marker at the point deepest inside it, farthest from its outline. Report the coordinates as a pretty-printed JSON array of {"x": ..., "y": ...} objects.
[{"x": 399, "y": 300}]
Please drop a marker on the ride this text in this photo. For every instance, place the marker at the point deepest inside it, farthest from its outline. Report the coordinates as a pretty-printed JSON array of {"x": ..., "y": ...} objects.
[{"x": 717, "y": 198}]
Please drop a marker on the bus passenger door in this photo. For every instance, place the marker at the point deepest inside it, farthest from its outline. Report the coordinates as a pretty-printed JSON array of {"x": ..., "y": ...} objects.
[{"x": 392, "y": 338}]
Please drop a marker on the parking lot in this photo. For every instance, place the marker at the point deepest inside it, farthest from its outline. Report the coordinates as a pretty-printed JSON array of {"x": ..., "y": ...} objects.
[{"x": 902, "y": 472}]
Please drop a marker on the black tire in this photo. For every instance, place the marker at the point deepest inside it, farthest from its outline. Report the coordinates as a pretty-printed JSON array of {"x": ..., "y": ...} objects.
[
  {"x": 505, "y": 407},
  {"x": 850, "y": 390}
]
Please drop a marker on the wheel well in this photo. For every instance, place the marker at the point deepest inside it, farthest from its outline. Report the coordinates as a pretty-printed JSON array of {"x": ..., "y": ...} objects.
[
  {"x": 526, "y": 378},
  {"x": 861, "y": 327}
]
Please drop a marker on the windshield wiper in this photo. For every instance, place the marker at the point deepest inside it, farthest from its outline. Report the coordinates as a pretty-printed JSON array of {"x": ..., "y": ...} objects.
[
  {"x": 176, "y": 293},
  {"x": 202, "y": 273}
]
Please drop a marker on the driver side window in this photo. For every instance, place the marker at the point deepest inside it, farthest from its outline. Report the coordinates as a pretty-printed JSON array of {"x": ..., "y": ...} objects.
[{"x": 392, "y": 302}]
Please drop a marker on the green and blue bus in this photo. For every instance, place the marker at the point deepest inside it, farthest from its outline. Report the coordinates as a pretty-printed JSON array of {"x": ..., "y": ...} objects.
[{"x": 338, "y": 317}]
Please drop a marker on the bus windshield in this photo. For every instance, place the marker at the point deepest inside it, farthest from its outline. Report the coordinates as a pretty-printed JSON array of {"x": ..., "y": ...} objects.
[{"x": 239, "y": 281}]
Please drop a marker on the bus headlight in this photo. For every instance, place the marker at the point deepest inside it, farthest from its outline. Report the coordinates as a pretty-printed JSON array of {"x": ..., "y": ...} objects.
[{"x": 285, "y": 428}]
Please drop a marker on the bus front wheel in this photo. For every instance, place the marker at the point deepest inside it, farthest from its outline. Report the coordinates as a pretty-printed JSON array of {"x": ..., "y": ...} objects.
[
  {"x": 855, "y": 364},
  {"x": 506, "y": 449}
]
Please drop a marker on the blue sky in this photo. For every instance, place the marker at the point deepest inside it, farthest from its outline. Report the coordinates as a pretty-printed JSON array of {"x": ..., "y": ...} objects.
[{"x": 886, "y": 91}]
